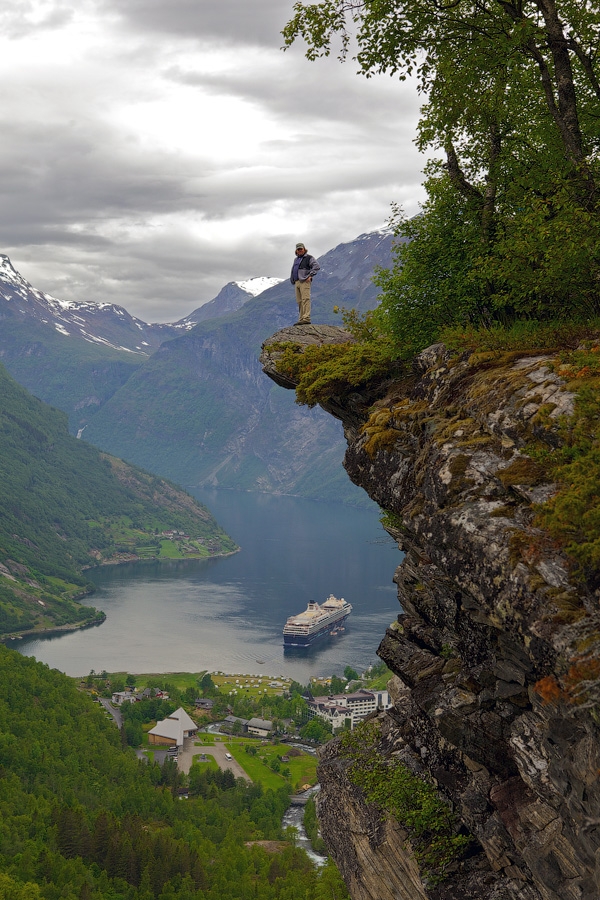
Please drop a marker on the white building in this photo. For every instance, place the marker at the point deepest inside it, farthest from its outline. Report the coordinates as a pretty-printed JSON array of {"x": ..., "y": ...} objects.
[
  {"x": 120, "y": 697},
  {"x": 259, "y": 727},
  {"x": 172, "y": 730},
  {"x": 337, "y": 708}
]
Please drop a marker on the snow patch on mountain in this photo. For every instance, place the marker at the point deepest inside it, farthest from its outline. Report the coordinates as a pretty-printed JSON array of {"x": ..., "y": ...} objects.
[
  {"x": 255, "y": 286},
  {"x": 98, "y": 323}
]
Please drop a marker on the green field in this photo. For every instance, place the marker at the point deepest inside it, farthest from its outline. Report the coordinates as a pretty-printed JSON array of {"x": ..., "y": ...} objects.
[
  {"x": 245, "y": 685},
  {"x": 379, "y": 682},
  {"x": 303, "y": 768},
  {"x": 178, "y": 680},
  {"x": 209, "y": 762},
  {"x": 253, "y": 686},
  {"x": 204, "y": 740}
]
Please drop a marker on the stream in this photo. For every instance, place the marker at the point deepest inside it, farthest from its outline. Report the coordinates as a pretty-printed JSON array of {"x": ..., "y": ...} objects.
[{"x": 293, "y": 818}]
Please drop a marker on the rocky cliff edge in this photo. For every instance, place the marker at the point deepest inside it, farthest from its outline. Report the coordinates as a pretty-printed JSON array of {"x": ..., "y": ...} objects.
[{"x": 490, "y": 619}]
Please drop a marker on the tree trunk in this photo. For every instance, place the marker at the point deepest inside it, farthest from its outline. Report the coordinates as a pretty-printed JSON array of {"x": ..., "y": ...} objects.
[{"x": 565, "y": 84}]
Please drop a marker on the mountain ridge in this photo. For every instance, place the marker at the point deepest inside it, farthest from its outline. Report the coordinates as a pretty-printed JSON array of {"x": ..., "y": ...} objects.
[
  {"x": 108, "y": 325},
  {"x": 191, "y": 404},
  {"x": 229, "y": 299}
]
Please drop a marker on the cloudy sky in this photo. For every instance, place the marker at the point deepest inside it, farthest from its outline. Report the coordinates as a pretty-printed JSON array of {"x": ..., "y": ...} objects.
[{"x": 153, "y": 150}]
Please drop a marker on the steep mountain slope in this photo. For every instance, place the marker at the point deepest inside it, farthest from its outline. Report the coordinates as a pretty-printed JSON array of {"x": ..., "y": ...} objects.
[
  {"x": 229, "y": 299},
  {"x": 65, "y": 506},
  {"x": 76, "y": 355},
  {"x": 199, "y": 411},
  {"x": 71, "y": 355}
]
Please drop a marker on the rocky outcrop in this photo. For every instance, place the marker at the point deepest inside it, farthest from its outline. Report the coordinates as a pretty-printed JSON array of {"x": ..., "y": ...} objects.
[
  {"x": 301, "y": 336},
  {"x": 489, "y": 617}
]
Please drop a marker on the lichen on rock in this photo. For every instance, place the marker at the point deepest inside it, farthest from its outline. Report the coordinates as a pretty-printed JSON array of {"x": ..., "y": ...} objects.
[{"x": 494, "y": 702}]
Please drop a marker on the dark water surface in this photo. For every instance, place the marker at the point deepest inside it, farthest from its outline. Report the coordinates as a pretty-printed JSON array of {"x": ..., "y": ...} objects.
[{"x": 227, "y": 614}]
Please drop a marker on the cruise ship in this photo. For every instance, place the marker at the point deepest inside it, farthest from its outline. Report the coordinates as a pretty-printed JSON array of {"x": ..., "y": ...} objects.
[{"x": 315, "y": 622}]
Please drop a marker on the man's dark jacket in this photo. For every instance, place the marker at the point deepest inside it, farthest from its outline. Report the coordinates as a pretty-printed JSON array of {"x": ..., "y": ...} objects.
[{"x": 307, "y": 268}]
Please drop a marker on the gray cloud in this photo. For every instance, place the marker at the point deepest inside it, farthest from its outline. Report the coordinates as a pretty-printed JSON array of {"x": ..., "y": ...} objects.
[
  {"x": 228, "y": 21},
  {"x": 19, "y": 18},
  {"x": 122, "y": 181}
]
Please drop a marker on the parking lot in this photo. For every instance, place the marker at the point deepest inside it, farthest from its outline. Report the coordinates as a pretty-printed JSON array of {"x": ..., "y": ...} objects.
[{"x": 217, "y": 751}]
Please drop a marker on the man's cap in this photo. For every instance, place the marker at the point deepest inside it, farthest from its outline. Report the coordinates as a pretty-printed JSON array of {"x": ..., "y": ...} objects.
[{"x": 300, "y": 247}]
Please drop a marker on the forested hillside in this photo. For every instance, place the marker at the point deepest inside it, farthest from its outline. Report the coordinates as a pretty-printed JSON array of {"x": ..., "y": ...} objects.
[
  {"x": 64, "y": 506},
  {"x": 82, "y": 819},
  {"x": 75, "y": 376}
]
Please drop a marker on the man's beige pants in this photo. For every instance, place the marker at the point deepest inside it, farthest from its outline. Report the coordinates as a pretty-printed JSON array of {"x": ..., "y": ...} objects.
[{"x": 303, "y": 301}]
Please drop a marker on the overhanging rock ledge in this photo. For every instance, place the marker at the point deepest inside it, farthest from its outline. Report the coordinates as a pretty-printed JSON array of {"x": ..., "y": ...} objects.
[
  {"x": 302, "y": 336},
  {"x": 489, "y": 614}
]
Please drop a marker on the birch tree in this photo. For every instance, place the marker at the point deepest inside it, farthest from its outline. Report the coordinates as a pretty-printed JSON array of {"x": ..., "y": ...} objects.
[{"x": 511, "y": 100}]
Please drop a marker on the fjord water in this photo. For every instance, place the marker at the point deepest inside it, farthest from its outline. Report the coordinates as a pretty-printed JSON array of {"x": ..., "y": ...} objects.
[{"x": 228, "y": 614}]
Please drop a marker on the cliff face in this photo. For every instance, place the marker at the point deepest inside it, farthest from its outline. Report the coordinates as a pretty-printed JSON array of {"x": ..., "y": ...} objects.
[{"x": 488, "y": 617}]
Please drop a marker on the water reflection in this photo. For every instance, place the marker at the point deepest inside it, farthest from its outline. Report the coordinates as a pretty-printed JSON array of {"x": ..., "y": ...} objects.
[{"x": 227, "y": 614}]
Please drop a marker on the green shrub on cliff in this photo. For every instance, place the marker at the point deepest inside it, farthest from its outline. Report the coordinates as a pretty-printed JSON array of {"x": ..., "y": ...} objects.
[
  {"x": 572, "y": 516},
  {"x": 321, "y": 372},
  {"x": 542, "y": 264},
  {"x": 431, "y": 825},
  {"x": 523, "y": 334}
]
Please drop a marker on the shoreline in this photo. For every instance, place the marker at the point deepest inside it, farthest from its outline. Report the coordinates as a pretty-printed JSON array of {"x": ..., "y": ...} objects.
[
  {"x": 56, "y": 629},
  {"x": 101, "y": 616},
  {"x": 159, "y": 559}
]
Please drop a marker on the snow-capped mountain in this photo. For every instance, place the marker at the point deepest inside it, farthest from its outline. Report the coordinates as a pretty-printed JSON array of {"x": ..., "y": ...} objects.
[
  {"x": 106, "y": 323},
  {"x": 96, "y": 323},
  {"x": 258, "y": 284},
  {"x": 229, "y": 299}
]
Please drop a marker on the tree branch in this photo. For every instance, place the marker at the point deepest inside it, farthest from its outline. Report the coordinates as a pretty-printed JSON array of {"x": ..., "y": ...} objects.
[
  {"x": 457, "y": 175},
  {"x": 586, "y": 65}
]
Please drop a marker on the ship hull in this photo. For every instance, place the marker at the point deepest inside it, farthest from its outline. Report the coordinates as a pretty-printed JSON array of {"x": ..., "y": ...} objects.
[{"x": 303, "y": 641}]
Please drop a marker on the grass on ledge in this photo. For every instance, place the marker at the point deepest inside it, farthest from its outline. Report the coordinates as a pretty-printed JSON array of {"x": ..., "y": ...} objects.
[{"x": 537, "y": 337}]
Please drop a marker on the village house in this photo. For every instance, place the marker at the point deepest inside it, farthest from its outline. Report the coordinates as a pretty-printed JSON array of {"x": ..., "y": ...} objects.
[
  {"x": 120, "y": 697},
  {"x": 326, "y": 708},
  {"x": 202, "y": 703},
  {"x": 260, "y": 727},
  {"x": 229, "y": 725}
]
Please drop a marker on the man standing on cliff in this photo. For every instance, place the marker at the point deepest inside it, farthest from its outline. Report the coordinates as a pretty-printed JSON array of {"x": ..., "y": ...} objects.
[{"x": 304, "y": 269}]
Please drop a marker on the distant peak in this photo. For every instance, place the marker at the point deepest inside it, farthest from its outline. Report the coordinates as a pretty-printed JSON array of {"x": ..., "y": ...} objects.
[
  {"x": 384, "y": 231},
  {"x": 10, "y": 275},
  {"x": 6, "y": 267}
]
